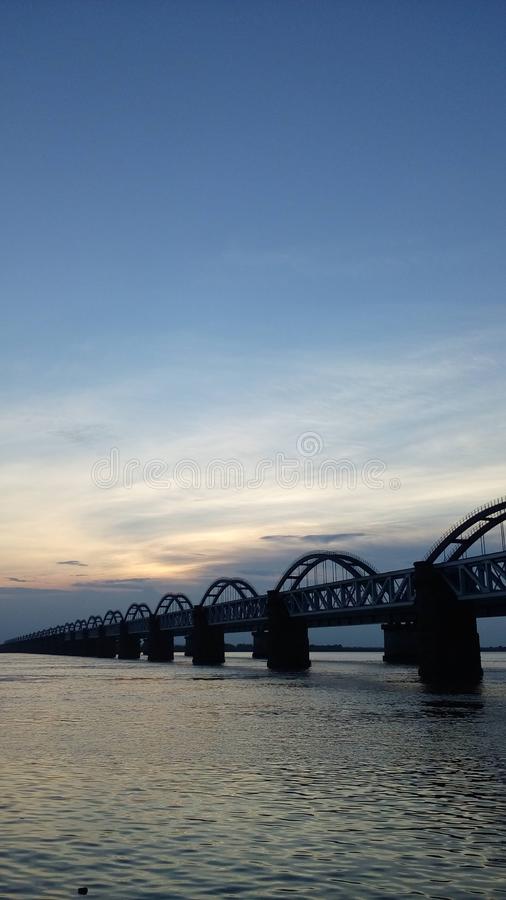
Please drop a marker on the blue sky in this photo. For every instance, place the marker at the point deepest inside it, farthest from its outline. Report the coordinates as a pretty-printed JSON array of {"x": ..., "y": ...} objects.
[{"x": 226, "y": 225}]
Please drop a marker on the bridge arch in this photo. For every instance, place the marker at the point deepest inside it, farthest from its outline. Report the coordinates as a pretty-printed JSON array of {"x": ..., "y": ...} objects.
[
  {"x": 172, "y": 603},
  {"x": 324, "y": 567},
  {"x": 137, "y": 611},
  {"x": 225, "y": 589},
  {"x": 457, "y": 540},
  {"x": 113, "y": 617},
  {"x": 94, "y": 622}
]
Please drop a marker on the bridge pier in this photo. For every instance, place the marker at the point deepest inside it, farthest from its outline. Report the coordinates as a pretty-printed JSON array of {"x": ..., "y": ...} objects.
[
  {"x": 105, "y": 646},
  {"x": 129, "y": 645},
  {"x": 401, "y": 643},
  {"x": 160, "y": 643},
  {"x": 69, "y": 643},
  {"x": 448, "y": 638},
  {"x": 90, "y": 647},
  {"x": 188, "y": 645},
  {"x": 208, "y": 642},
  {"x": 83, "y": 645},
  {"x": 287, "y": 638},
  {"x": 96, "y": 647},
  {"x": 57, "y": 646},
  {"x": 260, "y": 639}
]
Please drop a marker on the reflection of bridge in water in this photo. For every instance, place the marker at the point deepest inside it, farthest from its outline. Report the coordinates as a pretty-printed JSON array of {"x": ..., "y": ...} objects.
[{"x": 428, "y": 612}]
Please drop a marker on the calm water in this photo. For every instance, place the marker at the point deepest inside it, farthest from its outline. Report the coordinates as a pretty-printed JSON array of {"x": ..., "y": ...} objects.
[{"x": 166, "y": 781}]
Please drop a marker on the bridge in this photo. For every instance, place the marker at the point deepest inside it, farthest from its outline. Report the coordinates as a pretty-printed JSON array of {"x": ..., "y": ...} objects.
[{"x": 428, "y": 611}]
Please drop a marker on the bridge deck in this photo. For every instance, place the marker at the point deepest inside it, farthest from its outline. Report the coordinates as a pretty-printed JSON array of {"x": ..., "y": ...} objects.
[{"x": 386, "y": 597}]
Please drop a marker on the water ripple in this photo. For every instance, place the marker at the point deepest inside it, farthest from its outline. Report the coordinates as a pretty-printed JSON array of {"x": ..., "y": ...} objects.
[{"x": 161, "y": 782}]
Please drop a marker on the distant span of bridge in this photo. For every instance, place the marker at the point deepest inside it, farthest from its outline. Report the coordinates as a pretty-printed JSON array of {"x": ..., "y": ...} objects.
[{"x": 428, "y": 611}]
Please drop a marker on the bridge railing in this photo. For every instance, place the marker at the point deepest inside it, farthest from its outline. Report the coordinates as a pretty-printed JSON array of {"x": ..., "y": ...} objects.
[
  {"x": 138, "y": 626},
  {"x": 236, "y": 611},
  {"x": 479, "y": 578},
  {"x": 387, "y": 589},
  {"x": 179, "y": 618}
]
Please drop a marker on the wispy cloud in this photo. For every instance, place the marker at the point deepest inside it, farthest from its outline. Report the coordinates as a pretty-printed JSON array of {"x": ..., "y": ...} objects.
[
  {"x": 71, "y": 562},
  {"x": 19, "y": 580},
  {"x": 313, "y": 538},
  {"x": 86, "y": 435},
  {"x": 175, "y": 557},
  {"x": 108, "y": 583}
]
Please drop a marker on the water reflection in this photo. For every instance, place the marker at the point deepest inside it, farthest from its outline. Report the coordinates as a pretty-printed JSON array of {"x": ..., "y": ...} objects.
[
  {"x": 448, "y": 707},
  {"x": 351, "y": 781}
]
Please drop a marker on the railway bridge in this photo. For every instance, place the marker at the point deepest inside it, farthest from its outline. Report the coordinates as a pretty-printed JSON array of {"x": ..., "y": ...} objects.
[{"x": 428, "y": 611}]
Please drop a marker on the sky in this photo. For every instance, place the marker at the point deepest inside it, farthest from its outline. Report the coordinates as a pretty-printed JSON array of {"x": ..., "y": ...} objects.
[{"x": 251, "y": 286}]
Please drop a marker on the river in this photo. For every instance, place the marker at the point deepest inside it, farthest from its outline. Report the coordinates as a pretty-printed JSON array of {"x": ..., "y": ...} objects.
[{"x": 143, "y": 780}]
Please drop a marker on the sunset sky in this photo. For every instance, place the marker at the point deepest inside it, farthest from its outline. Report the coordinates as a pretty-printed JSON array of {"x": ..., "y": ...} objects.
[{"x": 264, "y": 233}]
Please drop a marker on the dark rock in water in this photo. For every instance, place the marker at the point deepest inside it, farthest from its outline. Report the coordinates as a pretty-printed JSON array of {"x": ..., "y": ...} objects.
[{"x": 83, "y": 891}]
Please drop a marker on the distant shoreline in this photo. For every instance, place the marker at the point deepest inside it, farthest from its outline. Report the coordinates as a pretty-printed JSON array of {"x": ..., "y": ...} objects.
[{"x": 332, "y": 648}]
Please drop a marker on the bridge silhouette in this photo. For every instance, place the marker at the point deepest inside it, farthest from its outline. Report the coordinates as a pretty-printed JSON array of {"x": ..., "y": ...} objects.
[{"x": 428, "y": 611}]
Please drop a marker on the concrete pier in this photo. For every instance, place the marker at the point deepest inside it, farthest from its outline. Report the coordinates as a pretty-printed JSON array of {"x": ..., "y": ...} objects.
[
  {"x": 69, "y": 644},
  {"x": 259, "y": 643},
  {"x": 401, "y": 643},
  {"x": 448, "y": 638},
  {"x": 105, "y": 646},
  {"x": 287, "y": 638},
  {"x": 88, "y": 645},
  {"x": 208, "y": 642},
  {"x": 160, "y": 644},
  {"x": 129, "y": 645},
  {"x": 188, "y": 645}
]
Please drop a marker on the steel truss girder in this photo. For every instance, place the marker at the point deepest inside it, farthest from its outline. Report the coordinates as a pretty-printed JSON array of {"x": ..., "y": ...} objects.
[
  {"x": 176, "y": 620},
  {"x": 237, "y": 611},
  {"x": 481, "y": 578},
  {"x": 358, "y": 593}
]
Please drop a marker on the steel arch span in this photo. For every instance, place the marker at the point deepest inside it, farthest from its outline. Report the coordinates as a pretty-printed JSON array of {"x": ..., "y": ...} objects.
[
  {"x": 113, "y": 617},
  {"x": 329, "y": 562},
  {"x": 227, "y": 589},
  {"x": 455, "y": 542},
  {"x": 137, "y": 611},
  {"x": 172, "y": 603}
]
